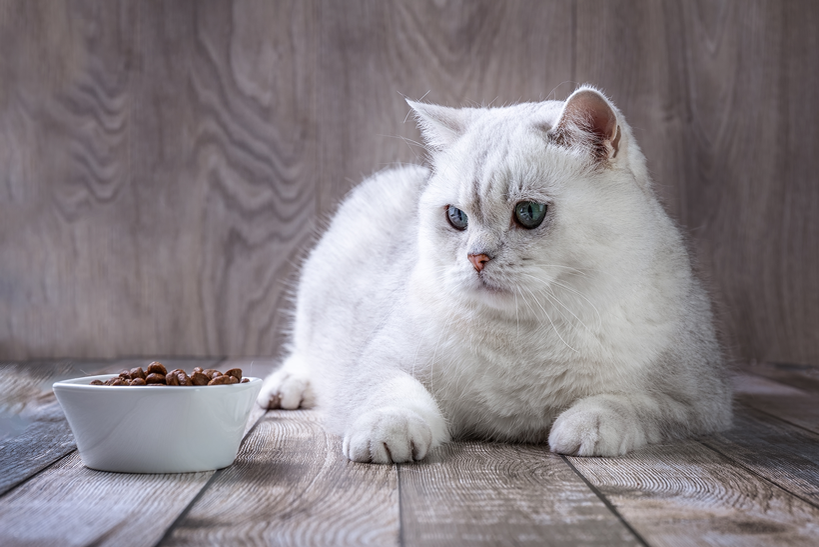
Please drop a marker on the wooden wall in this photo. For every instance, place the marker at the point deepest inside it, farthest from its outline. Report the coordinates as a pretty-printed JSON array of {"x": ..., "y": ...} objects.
[{"x": 163, "y": 164}]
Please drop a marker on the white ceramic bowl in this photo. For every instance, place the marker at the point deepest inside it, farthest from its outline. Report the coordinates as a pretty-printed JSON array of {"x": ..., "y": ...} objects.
[{"x": 156, "y": 429}]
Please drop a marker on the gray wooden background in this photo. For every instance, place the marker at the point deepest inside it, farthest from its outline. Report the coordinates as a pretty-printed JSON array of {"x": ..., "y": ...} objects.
[{"x": 164, "y": 164}]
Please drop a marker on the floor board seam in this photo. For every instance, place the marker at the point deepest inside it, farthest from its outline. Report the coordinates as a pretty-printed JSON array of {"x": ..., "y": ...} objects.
[
  {"x": 780, "y": 418},
  {"x": 758, "y": 475},
  {"x": 184, "y": 513},
  {"x": 400, "y": 508},
  {"x": 14, "y": 487},
  {"x": 606, "y": 502}
]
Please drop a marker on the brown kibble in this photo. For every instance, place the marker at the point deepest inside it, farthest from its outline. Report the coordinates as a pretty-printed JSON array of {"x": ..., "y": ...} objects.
[
  {"x": 183, "y": 378},
  {"x": 235, "y": 372},
  {"x": 198, "y": 378},
  {"x": 137, "y": 372},
  {"x": 155, "y": 378},
  {"x": 157, "y": 368},
  {"x": 156, "y": 375},
  {"x": 223, "y": 380}
]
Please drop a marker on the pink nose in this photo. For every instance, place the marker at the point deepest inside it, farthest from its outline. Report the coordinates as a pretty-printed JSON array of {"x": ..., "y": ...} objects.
[{"x": 478, "y": 261}]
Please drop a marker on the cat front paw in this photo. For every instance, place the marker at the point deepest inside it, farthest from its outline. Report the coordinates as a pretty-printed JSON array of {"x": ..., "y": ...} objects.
[
  {"x": 388, "y": 435},
  {"x": 286, "y": 389},
  {"x": 591, "y": 430}
]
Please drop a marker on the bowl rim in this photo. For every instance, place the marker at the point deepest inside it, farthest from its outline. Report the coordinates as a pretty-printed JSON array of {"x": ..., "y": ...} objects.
[{"x": 81, "y": 383}]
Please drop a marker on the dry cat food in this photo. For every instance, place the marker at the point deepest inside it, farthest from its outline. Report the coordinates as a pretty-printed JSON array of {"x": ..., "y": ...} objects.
[{"x": 158, "y": 375}]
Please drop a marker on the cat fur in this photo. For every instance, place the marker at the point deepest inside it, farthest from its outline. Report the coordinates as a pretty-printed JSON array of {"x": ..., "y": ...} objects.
[{"x": 590, "y": 332}]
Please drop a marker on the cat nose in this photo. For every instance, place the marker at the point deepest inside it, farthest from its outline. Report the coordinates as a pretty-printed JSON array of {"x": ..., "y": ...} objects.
[{"x": 478, "y": 261}]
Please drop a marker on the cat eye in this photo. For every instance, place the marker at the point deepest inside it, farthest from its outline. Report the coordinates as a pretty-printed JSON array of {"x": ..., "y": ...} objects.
[
  {"x": 530, "y": 214},
  {"x": 456, "y": 218}
]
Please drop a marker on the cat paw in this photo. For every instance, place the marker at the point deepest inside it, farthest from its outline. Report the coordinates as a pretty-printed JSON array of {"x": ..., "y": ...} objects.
[
  {"x": 388, "y": 435},
  {"x": 594, "y": 431},
  {"x": 286, "y": 389}
]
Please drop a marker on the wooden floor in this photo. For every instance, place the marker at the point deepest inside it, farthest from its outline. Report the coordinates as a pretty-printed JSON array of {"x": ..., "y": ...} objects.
[{"x": 757, "y": 484}]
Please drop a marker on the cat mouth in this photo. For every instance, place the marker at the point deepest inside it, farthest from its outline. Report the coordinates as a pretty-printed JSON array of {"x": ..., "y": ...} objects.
[{"x": 484, "y": 283}]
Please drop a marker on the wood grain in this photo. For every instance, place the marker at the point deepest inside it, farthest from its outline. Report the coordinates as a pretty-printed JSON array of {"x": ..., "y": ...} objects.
[
  {"x": 785, "y": 455},
  {"x": 687, "y": 494},
  {"x": 69, "y": 504},
  {"x": 756, "y": 484},
  {"x": 804, "y": 377},
  {"x": 178, "y": 183},
  {"x": 500, "y": 494},
  {"x": 165, "y": 165},
  {"x": 291, "y": 485},
  {"x": 795, "y": 405},
  {"x": 38, "y": 433},
  {"x": 46, "y": 439}
]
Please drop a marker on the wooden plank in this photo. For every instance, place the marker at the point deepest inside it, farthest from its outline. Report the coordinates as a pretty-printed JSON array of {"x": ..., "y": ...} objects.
[
  {"x": 185, "y": 118},
  {"x": 787, "y": 402},
  {"x": 45, "y": 440},
  {"x": 72, "y": 278},
  {"x": 39, "y": 434},
  {"x": 803, "y": 377},
  {"x": 784, "y": 455},
  {"x": 797, "y": 228},
  {"x": 244, "y": 128},
  {"x": 687, "y": 494},
  {"x": 291, "y": 485},
  {"x": 69, "y": 504},
  {"x": 499, "y": 494}
]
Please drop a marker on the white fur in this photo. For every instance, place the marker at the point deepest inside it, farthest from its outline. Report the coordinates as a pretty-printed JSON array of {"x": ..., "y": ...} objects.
[{"x": 590, "y": 331}]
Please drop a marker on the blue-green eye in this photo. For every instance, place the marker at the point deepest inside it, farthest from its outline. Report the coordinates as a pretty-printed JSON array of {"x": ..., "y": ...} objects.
[
  {"x": 456, "y": 218},
  {"x": 530, "y": 214}
]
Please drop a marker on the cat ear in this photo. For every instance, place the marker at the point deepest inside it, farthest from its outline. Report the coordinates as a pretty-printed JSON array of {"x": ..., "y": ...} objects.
[
  {"x": 588, "y": 120},
  {"x": 440, "y": 125}
]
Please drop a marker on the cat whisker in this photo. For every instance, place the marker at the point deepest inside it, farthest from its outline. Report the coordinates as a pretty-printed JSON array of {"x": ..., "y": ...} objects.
[
  {"x": 557, "y": 332},
  {"x": 517, "y": 319},
  {"x": 581, "y": 295},
  {"x": 578, "y": 271},
  {"x": 553, "y": 298},
  {"x": 571, "y": 290},
  {"x": 432, "y": 361}
]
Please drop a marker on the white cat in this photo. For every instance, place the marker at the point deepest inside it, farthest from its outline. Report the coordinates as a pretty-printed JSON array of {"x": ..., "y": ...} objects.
[{"x": 528, "y": 286}]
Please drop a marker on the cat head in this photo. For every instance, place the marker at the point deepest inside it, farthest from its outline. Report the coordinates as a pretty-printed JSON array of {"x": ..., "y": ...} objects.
[{"x": 526, "y": 198}]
